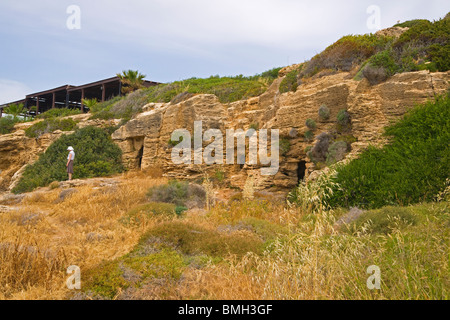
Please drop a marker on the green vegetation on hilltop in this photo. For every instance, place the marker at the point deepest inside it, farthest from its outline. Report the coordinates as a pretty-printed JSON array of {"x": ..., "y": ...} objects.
[
  {"x": 96, "y": 155},
  {"x": 227, "y": 89},
  {"x": 58, "y": 113},
  {"x": 50, "y": 125},
  {"x": 425, "y": 46}
]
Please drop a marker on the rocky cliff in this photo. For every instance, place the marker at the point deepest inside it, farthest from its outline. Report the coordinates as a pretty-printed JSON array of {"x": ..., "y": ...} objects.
[{"x": 144, "y": 140}]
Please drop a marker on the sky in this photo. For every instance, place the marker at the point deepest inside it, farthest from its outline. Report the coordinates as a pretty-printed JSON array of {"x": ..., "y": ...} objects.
[{"x": 50, "y": 43}]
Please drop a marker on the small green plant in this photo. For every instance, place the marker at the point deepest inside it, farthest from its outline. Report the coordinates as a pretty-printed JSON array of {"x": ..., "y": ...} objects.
[
  {"x": 180, "y": 193},
  {"x": 290, "y": 82},
  {"x": 385, "y": 220},
  {"x": 285, "y": 146},
  {"x": 309, "y": 135},
  {"x": 54, "y": 185},
  {"x": 311, "y": 124},
  {"x": 146, "y": 211},
  {"x": 320, "y": 150},
  {"x": 254, "y": 126},
  {"x": 50, "y": 125},
  {"x": 336, "y": 152},
  {"x": 173, "y": 143},
  {"x": 343, "y": 118},
  {"x": 324, "y": 113},
  {"x": 7, "y": 125}
]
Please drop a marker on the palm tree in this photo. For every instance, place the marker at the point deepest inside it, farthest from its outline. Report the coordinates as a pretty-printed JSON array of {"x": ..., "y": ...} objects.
[
  {"x": 15, "y": 110},
  {"x": 131, "y": 80},
  {"x": 90, "y": 103}
]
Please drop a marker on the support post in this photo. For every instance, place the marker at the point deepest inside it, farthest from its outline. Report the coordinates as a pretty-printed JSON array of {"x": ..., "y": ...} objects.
[
  {"x": 82, "y": 98},
  {"x": 53, "y": 100},
  {"x": 1, "y": 112},
  {"x": 103, "y": 92},
  {"x": 67, "y": 99},
  {"x": 37, "y": 105}
]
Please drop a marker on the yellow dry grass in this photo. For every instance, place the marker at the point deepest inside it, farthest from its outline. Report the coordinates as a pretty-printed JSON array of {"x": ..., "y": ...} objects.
[{"x": 42, "y": 238}]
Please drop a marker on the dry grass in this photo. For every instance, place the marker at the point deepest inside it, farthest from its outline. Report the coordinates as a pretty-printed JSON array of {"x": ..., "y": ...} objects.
[
  {"x": 43, "y": 237},
  {"x": 294, "y": 251}
]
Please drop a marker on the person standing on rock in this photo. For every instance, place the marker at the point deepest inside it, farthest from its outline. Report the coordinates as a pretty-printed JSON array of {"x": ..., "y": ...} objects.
[{"x": 69, "y": 164}]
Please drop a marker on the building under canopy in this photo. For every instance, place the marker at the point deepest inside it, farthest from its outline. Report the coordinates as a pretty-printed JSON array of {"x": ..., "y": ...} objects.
[{"x": 71, "y": 97}]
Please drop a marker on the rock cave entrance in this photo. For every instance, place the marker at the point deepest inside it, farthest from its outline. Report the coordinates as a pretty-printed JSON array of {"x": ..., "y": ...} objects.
[
  {"x": 139, "y": 157},
  {"x": 301, "y": 170}
]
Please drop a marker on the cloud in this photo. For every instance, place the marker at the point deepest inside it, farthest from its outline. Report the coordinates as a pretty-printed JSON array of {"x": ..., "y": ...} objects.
[{"x": 11, "y": 90}]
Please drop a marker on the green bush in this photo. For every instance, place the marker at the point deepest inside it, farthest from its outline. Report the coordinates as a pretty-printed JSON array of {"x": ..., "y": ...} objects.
[
  {"x": 346, "y": 53},
  {"x": 311, "y": 124},
  {"x": 320, "y": 150},
  {"x": 413, "y": 167},
  {"x": 285, "y": 146},
  {"x": 309, "y": 135},
  {"x": 146, "y": 211},
  {"x": 227, "y": 89},
  {"x": 290, "y": 82},
  {"x": 425, "y": 46},
  {"x": 58, "y": 113},
  {"x": 336, "y": 152},
  {"x": 180, "y": 193},
  {"x": 96, "y": 155},
  {"x": 324, "y": 113},
  {"x": 50, "y": 125},
  {"x": 7, "y": 125},
  {"x": 343, "y": 118},
  {"x": 384, "y": 220}
]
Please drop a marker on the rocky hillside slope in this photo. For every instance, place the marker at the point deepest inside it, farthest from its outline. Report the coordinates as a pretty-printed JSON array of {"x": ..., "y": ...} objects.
[{"x": 144, "y": 140}]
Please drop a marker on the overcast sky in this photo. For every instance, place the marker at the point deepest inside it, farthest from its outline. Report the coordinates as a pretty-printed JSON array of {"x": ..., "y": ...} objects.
[{"x": 43, "y": 46}]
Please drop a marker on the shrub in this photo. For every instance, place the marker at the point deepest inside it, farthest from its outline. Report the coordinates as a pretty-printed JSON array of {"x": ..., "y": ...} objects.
[
  {"x": 146, "y": 211},
  {"x": 336, "y": 152},
  {"x": 50, "y": 125},
  {"x": 345, "y": 53},
  {"x": 290, "y": 82},
  {"x": 311, "y": 124},
  {"x": 96, "y": 155},
  {"x": 320, "y": 150},
  {"x": 285, "y": 146},
  {"x": 7, "y": 125},
  {"x": 58, "y": 113},
  {"x": 343, "y": 118},
  {"x": 413, "y": 167},
  {"x": 375, "y": 75},
  {"x": 192, "y": 239},
  {"x": 309, "y": 135},
  {"x": 384, "y": 220},
  {"x": 182, "y": 194},
  {"x": 324, "y": 113}
]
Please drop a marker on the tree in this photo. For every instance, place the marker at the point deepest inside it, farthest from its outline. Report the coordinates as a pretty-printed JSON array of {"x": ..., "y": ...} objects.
[
  {"x": 90, "y": 103},
  {"x": 15, "y": 110},
  {"x": 131, "y": 80}
]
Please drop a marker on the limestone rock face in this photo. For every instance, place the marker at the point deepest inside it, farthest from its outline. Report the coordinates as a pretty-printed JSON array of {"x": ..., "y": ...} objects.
[
  {"x": 145, "y": 139},
  {"x": 17, "y": 150}
]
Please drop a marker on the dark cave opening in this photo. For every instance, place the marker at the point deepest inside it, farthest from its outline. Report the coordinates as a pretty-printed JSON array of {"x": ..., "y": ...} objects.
[{"x": 301, "y": 170}]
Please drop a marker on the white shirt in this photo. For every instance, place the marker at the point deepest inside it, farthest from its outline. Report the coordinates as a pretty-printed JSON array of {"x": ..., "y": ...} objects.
[{"x": 73, "y": 155}]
